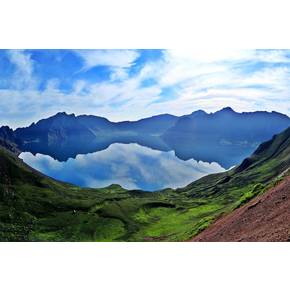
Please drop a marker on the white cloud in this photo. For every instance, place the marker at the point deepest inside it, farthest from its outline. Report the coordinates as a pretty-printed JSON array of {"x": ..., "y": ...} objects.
[
  {"x": 119, "y": 74},
  {"x": 113, "y": 58},
  {"x": 271, "y": 56},
  {"x": 23, "y": 76},
  {"x": 213, "y": 79},
  {"x": 206, "y": 80}
]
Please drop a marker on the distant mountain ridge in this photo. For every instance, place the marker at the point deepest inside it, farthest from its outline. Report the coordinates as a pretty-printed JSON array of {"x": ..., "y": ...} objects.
[
  {"x": 225, "y": 132},
  {"x": 225, "y": 136},
  {"x": 38, "y": 208}
]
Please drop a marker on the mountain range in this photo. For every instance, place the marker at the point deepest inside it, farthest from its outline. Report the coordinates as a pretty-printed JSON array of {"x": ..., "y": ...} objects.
[
  {"x": 225, "y": 137},
  {"x": 34, "y": 207}
]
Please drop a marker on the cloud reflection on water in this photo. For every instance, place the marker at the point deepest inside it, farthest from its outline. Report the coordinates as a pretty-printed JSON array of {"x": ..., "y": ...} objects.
[{"x": 130, "y": 165}]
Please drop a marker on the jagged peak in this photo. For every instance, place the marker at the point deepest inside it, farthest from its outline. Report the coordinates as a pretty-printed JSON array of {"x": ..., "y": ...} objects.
[
  {"x": 226, "y": 109},
  {"x": 63, "y": 114},
  {"x": 5, "y": 127}
]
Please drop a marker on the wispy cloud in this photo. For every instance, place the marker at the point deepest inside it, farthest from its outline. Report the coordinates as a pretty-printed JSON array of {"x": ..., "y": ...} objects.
[
  {"x": 23, "y": 75},
  {"x": 130, "y": 84},
  {"x": 115, "y": 59},
  {"x": 246, "y": 80}
]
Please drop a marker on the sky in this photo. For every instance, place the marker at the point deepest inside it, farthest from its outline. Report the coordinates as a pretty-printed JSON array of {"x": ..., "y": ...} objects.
[{"x": 134, "y": 84}]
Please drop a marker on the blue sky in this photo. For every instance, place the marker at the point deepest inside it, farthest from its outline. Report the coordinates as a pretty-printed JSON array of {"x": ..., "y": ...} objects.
[{"x": 133, "y": 84}]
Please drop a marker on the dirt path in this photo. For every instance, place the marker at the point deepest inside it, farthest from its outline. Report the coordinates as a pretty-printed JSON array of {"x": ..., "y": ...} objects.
[{"x": 264, "y": 219}]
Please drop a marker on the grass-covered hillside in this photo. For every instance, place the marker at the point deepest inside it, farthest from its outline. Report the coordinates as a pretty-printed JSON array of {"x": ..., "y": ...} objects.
[{"x": 34, "y": 207}]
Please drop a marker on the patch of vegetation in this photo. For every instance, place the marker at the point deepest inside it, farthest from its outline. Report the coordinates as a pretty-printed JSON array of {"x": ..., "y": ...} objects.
[
  {"x": 34, "y": 207},
  {"x": 72, "y": 226},
  {"x": 169, "y": 224},
  {"x": 257, "y": 189}
]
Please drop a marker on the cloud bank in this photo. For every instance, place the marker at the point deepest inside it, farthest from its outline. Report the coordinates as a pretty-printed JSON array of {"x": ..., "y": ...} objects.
[{"x": 133, "y": 84}]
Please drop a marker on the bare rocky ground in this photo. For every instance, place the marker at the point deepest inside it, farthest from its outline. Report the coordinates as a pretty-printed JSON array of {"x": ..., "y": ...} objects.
[{"x": 266, "y": 218}]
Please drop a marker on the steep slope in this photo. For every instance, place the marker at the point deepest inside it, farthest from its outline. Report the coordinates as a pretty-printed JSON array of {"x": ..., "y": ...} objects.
[
  {"x": 8, "y": 140},
  {"x": 36, "y": 208},
  {"x": 266, "y": 218},
  {"x": 226, "y": 137},
  {"x": 269, "y": 160}
]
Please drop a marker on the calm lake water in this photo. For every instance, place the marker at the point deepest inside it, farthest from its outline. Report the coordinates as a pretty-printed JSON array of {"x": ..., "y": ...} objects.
[{"x": 130, "y": 165}]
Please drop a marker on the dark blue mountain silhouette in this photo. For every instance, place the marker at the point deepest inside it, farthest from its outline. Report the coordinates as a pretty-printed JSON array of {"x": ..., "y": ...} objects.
[{"x": 225, "y": 136}]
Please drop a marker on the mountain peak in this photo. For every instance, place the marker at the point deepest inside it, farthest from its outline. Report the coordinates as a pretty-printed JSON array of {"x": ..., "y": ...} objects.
[
  {"x": 63, "y": 114},
  {"x": 198, "y": 113},
  {"x": 227, "y": 109}
]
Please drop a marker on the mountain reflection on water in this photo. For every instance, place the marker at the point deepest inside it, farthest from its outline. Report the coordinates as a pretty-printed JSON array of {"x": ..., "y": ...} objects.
[{"x": 130, "y": 165}]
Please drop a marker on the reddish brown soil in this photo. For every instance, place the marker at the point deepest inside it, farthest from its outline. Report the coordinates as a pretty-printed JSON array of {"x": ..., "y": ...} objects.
[{"x": 266, "y": 218}]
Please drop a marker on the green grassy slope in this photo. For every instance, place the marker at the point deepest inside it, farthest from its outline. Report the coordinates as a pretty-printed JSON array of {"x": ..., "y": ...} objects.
[{"x": 34, "y": 207}]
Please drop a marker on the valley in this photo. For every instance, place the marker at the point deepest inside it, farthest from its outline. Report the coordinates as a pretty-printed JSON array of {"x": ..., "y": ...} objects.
[
  {"x": 34, "y": 207},
  {"x": 163, "y": 151}
]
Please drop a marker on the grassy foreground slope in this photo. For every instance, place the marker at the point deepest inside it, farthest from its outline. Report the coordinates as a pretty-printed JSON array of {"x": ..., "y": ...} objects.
[{"x": 34, "y": 207}]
